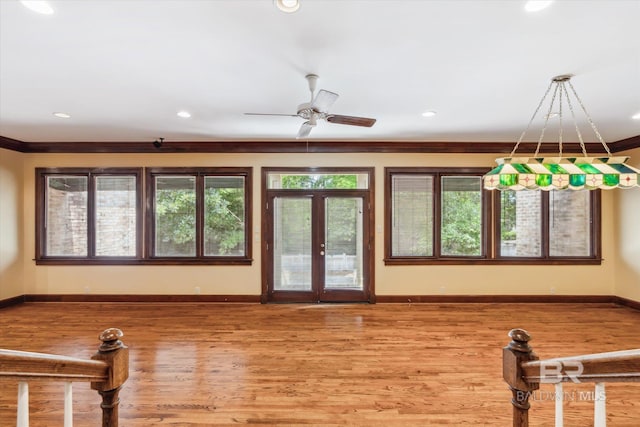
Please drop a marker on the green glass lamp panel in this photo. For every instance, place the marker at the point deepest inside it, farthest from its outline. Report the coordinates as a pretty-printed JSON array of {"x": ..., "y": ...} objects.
[
  {"x": 555, "y": 168},
  {"x": 495, "y": 170},
  {"x": 577, "y": 180},
  {"x": 622, "y": 168},
  {"x": 508, "y": 180},
  {"x": 521, "y": 168},
  {"x": 611, "y": 180},
  {"x": 588, "y": 168},
  {"x": 543, "y": 180}
]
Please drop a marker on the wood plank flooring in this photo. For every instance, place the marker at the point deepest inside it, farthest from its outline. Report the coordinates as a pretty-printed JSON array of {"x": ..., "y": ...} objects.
[{"x": 318, "y": 365}]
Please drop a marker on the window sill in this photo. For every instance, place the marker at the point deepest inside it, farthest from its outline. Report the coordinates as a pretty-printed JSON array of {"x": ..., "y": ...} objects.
[
  {"x": 153, "y": 261},
  {"x": 493, "y": 261}
]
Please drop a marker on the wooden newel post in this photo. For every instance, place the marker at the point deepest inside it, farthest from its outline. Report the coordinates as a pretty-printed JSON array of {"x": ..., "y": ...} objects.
[
  {"x": 116, "y": 355},
  {"x": 513, "y": 355}
]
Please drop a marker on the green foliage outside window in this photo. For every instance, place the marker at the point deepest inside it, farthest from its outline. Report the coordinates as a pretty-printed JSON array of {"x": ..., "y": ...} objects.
[
  {"x": 461, "y": 229},
  {"x": 224, "y": 225},
  {"x": 321, "y": 181},
  {"x": 224, "y": 221}
]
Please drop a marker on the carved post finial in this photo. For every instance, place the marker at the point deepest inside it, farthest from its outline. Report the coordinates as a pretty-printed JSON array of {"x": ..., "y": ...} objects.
[
  {"x": 520, "y": 340},
  {"x": 111, "y": 340}
]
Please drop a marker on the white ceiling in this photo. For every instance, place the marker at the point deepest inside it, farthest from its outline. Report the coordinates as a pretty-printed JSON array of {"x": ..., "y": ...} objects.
[{"x": 123, "y": 68}]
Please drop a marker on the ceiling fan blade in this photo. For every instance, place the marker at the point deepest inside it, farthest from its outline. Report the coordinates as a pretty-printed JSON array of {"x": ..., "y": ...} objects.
[
  {"x": 270, "y": 114},
  {"x": 324, "y": 100},
  {"x": 351, "y": 120},
  {"x": 305, "y": 130}
]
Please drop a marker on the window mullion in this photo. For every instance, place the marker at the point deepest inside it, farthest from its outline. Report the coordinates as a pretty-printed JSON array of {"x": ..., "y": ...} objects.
[
  {"x": 437, "y": 215},
  {"x": 91, "y": 215},
  {"x": 546, "y": 230},
  {"x": 200, "y": 208}
]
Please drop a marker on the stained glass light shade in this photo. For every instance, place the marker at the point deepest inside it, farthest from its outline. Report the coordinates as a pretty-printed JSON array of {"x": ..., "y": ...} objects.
[{"x": 561, "y": 173}]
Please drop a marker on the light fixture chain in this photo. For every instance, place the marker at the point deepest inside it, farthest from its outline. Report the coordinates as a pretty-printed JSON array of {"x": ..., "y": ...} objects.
[
  {"x": 575, "y": 123},
  {"x": 593, "y": 126},
  {"x": 546, "y": 121},
  {"x": 535, "y": 113},
  {"x": 562, "y": 89}
]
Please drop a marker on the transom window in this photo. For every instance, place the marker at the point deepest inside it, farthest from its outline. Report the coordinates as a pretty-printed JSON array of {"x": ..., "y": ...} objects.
[{"x": 339, "y": 180}]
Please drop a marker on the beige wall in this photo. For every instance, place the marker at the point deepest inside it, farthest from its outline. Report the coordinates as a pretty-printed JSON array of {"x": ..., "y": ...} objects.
[
  {"x": 627, "y": 229},
  {"x": 245, "y": 280},
  {"x": 11, "y": 224}
]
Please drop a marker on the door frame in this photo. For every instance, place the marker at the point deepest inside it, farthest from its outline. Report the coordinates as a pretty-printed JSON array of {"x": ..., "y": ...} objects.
[{"x": 368, "y": 226}]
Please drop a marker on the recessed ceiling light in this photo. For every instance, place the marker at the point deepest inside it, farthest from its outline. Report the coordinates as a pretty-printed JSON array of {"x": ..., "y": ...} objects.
[
  {"x": 39, "y": 6},
  {"x": 62, "y": 115},
  {"x": 537, "y": 5},
  {"x": 551, "y": 115},
  {"x": 288, "y": 6},
  {"x": 184, "y": 114},
  {"x": 429, "y": 113},
  {"x": 636, "y": 116}
]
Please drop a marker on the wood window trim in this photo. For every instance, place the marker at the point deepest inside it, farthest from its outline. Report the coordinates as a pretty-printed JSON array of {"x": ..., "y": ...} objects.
[
  {"x": 595, "y": 236},
  {"x": 199, "y": 259},
  {"x": 266, "y": 273},
  {"x": 437, "y": 258},
  {"x": 90, "y": 259},
  {"x": 490, "y": 228}
]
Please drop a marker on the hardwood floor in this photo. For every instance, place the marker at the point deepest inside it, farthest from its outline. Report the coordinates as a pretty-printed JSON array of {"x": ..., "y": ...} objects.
[{"x": 319, "y": 365}]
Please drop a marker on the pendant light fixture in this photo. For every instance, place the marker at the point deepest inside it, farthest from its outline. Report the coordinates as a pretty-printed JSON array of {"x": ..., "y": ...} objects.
[{"x": 561, "y": 173}]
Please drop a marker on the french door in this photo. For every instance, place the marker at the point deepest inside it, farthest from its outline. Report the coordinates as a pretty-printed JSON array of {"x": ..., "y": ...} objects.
[{"x": 317, "y": 246}]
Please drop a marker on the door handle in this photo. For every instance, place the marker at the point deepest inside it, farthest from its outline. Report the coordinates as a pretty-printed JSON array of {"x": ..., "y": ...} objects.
[{"x": 322, "y": 253}]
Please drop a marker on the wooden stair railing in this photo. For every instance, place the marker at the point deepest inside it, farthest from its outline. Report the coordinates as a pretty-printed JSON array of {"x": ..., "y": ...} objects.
[
  {"x": 107, "y": 371},
  {"x": 524, "y": 372}
]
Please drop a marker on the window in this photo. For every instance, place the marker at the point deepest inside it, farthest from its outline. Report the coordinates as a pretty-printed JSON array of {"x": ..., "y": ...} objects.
[
  {"x": 434, "y": 215},
  {"x": 548, "y": 225},
  {"x": 199, "y": 215},
  {"x": 88, "y": 214}
]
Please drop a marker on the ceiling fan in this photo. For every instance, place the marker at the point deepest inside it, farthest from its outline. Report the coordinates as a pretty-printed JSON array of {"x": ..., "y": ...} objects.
[{"x": 317, "y": 109}]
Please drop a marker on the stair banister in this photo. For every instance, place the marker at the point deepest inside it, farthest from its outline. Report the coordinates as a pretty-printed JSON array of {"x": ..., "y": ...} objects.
[
  {"x": 107, "y": 371},
  {"x": 523, "y": 371}
]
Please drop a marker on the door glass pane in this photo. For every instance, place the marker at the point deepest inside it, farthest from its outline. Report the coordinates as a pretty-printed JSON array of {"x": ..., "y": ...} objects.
[
  {"x": 412, "y": 215},
  {"x": 343, "y": 246},
  {"x": 520, "y": 223},
  {"x": 224, "y": 221},
  {"x": 175, "y": 220},
  {"x": 461, "y": 220},
  {"x": 115, "y": 217},
  {"x": 66, "y": 219},
  {"x": 569, "y": 223},
  {"x": 292, "y": 244}
]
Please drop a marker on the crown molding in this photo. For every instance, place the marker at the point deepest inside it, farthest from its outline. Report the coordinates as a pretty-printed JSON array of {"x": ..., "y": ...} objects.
[
  {"x": 313, "y": 146},
  {"x": 12, "y": 144}
]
